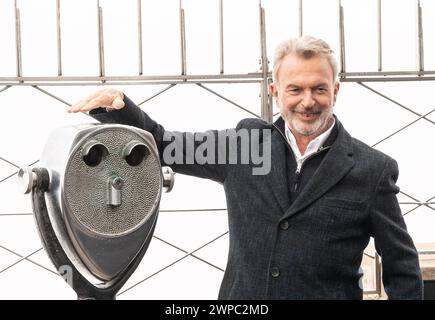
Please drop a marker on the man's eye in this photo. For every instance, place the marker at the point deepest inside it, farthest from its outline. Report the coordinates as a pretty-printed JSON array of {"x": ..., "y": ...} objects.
[
  {"x": 293, "y": 90},
  {"x": 321, "y": 90}
]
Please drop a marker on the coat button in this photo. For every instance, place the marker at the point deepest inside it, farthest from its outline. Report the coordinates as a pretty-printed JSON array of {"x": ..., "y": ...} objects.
[
  {"x": 274, "y": 272},
  {"x": 284, "y": 225}
]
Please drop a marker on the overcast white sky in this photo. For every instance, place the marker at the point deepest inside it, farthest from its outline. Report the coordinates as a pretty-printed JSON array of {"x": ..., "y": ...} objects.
[{"x": 161, "y": 34}]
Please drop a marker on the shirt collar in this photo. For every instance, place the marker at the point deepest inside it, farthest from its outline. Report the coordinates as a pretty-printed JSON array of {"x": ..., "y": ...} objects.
[{"x": 314, "y": 144}]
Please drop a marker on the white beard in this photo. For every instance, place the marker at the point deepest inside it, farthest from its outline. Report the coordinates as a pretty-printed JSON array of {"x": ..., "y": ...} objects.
[{"x": 308, "y": 129}]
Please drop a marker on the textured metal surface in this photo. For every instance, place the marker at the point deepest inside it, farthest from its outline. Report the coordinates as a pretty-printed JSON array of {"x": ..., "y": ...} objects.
[{"x": 85, "y": 187}]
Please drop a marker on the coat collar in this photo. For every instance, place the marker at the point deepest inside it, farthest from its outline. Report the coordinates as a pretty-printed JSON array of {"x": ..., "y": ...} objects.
[{"x": 336, "y": 164}]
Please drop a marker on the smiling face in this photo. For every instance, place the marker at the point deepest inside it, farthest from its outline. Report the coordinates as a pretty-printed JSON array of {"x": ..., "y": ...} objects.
[{"x": 305, "y": 91}]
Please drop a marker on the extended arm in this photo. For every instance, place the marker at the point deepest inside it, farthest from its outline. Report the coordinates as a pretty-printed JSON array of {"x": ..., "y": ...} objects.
[{"x": 182, "y": 151}]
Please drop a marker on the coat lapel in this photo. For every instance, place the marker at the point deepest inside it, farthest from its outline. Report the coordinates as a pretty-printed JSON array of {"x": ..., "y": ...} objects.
[
  {"x": 278, "y": 177},
  {"x": 337, "y": 163}
]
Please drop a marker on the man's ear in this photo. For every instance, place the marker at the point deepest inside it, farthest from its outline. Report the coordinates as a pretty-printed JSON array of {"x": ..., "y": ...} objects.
[
  {"x": 273, "y": 90},
  {"x": 336, "y": 89}
]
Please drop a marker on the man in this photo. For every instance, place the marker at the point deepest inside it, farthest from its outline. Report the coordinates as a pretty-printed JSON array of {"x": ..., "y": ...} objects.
[{"x": 299, "y": 231}]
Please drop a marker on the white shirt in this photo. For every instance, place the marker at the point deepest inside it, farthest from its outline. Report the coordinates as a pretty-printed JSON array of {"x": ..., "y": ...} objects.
[{"x": 312, "y": 147}]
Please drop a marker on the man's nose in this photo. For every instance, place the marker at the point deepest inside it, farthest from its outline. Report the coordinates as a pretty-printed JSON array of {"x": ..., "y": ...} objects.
[{"x": 308, "y": 99}]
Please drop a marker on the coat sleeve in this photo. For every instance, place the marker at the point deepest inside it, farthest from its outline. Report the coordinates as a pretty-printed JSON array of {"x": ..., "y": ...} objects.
[
  {"x": 176, "y": 149},
  {"x": 401, "y": 273}
]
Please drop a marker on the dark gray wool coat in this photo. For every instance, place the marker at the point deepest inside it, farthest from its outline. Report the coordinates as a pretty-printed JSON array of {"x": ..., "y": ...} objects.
[{"x": 309, "y": 247}]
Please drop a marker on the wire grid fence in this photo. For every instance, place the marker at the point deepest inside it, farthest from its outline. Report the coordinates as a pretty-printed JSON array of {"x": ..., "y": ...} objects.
[{"x": 263, "y": 77}]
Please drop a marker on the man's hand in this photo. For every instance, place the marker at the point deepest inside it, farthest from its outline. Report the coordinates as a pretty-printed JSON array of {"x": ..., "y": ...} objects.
[{"x": 106, "y": 98}]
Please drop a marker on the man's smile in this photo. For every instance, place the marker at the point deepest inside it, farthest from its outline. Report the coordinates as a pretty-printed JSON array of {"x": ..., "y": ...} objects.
[{"x": 304, "y": 115}]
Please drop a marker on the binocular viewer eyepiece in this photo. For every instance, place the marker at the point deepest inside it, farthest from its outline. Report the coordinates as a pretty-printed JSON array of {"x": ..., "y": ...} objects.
[{"x": 95, "y": 199}]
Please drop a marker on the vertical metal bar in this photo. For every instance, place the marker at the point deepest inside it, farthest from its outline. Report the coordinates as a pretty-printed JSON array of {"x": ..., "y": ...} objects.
[
  {"x": 59, "y": 43},
  {"x": 301, "y": 19},
  {"x": 139, "y": 32},
  {"x": 342, "y": 43},
  {"x": 100, "y": 40},
  {"x": 221, "y": 36},
  {"x": 18, "y": 39},
  {"x": 378, "y": 274},
  {"x": 266, "y": 108},
  {"x": 183, "y": 40},
  {"x": 379, "y": 35},
  {"x": 420, "y": 37}
]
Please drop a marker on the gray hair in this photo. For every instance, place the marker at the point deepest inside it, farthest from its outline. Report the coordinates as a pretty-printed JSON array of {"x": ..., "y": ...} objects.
[{"x": 305, "y": 47}]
